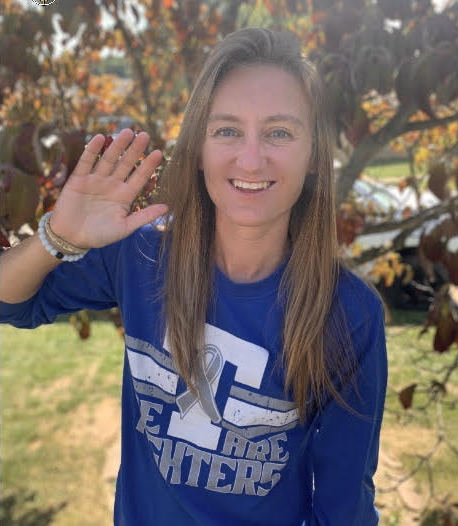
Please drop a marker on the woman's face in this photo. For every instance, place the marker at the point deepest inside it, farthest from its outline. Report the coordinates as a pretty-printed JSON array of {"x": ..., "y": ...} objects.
[{"x": 258, "y": 132}]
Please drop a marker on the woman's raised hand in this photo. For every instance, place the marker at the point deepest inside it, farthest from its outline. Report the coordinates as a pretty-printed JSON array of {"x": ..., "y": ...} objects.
[{"x": 93, "y": 207}]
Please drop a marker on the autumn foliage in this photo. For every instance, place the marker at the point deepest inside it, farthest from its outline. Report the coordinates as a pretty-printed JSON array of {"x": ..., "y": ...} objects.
[
  {"x": 390, "y": 69},
  {"x": 391, "y": 75}
]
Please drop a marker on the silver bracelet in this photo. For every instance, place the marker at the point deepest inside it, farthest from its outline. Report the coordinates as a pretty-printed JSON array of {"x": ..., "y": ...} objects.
[{"x": 50, "y": 248}]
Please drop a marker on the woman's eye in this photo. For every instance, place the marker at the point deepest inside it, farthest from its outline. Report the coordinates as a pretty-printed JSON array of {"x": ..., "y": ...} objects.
[
  {"x": 280, "y": 134},
  {"x": 225, "y": 132}
]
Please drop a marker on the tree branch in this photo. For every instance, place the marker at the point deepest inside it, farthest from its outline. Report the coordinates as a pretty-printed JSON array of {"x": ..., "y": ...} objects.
[
  {"x": 431, "y": 123},
  {"x": 398, "y": 125},
  {"x": 369, "y": 148},
  {"x": 412, "y": 221},
  {"x": 143, "y": 79},
  {"x": 407, "y": 226}
]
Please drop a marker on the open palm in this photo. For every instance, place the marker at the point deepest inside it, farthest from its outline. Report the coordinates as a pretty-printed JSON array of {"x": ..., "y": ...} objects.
[{"x": 93, "y": 207}]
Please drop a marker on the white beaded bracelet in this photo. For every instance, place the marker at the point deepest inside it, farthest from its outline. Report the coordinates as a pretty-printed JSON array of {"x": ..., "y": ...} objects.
[{"x": 50, "y": 248}]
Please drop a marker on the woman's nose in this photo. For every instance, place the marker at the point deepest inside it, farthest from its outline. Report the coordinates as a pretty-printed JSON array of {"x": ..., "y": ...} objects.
[{"x": 251, "y": 157}]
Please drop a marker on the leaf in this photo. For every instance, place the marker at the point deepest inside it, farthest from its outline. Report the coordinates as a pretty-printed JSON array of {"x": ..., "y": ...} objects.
[
  {"x": 340, "y": 21},
  {"x": 447, "y": 329},
  {"x": 404, "y": 80},
  {"x": 73, "y": 142},
  {"x": 24, "y": 153},
  {"x": 116, "y": 318},
  {"x": 82, "y": 324},
  {"x": 396, "y": 9},
  {"x": 4, "y": 241},
  {"x": 437, "y": 180},
  {"x": 409, "y": 274},
  {"x": 448, "y": 90},
  {"x": 359, "y": 128},
  {"x": 108, "y": 141},
  {"x": 433, "y": 240},
  {"x": 389, "y": 277},
  {"x": 406, "y": 396},
  {"x": 374, "y": 66},
  {"x": 20, "y": 202},
  {"x": 451, "y": 258}
]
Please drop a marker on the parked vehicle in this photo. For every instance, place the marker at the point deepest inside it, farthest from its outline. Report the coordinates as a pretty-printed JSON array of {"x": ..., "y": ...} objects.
[{"x": 388, "y": 200}]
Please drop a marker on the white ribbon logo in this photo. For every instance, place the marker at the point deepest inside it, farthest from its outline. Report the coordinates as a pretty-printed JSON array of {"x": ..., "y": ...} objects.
[{"x": 210, "y": 365}]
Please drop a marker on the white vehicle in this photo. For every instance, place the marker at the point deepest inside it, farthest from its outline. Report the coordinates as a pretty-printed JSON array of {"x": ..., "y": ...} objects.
[{"x": 389, "y": 201}]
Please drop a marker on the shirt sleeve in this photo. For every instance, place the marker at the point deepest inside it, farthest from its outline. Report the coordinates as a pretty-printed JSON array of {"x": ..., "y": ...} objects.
[
  {"x": 90, "y": 283},
  {"x": 345, "y": 448}
]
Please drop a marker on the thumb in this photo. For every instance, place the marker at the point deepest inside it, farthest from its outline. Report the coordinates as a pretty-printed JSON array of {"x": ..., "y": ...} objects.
[{"x": 145, "y": 216}]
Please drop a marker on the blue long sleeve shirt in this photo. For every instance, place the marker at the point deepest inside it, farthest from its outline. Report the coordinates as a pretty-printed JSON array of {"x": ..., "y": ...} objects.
[{"x": 237, "y": 454}]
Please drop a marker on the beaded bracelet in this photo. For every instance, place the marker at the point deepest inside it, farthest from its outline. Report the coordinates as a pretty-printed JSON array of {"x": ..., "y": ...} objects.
[{"x": 43, "y": 229}]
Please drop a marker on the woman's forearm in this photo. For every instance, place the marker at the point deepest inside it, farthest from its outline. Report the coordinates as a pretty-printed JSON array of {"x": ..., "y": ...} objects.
[{"x": 23, "y": 269}]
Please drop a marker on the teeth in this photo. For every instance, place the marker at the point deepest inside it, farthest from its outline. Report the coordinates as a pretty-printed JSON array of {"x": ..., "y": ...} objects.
[{"x": 251, "y": 186}]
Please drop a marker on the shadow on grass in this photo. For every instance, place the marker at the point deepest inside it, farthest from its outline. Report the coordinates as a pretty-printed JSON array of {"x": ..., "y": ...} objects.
[
  {"x": 407, "y": 317},
  {"x": 19, "y": 510}
]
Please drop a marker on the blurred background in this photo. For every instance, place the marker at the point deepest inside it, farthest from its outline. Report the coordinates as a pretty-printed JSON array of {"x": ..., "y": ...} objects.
[{"x": 70, "y": 70}]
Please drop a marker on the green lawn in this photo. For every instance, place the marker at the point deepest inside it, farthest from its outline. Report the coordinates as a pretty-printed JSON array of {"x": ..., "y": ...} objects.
[
  {"x": 60, "y": 416},
  {"x": 412, "y": 432},
  {"x": 60, "y": 422},
  {"x": 388, "y": 171}
]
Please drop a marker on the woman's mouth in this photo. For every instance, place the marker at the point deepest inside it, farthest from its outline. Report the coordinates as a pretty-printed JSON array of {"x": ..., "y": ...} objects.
[{"x": 250, "y": 188}]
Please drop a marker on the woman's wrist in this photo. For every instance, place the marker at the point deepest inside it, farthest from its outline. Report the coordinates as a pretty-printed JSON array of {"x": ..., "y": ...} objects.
[{"x": 55, "y": 245}]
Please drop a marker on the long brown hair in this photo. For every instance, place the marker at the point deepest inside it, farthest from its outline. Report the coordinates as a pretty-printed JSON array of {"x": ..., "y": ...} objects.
[{"x": 317, "y": 350}]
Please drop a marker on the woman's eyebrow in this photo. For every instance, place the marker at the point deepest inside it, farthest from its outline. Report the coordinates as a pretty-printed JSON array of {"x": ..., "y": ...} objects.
[{"x": 278, "y": 117}]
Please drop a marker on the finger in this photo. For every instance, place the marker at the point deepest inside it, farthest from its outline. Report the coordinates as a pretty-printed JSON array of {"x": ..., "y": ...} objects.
[
  {"x": 146, "y": 169},
  {"x": 111, "y": 155},
  {"x": 131, "y": 156},
  {"x": 145, "y": 216},
  {"x": 88, "y": 157}
]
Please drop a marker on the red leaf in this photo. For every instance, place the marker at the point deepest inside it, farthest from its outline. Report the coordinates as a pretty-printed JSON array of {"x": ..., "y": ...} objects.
[
  {"x": 447, "y": 330},
  {"x": 24, "y": 152},
  {"x": 108, "y": 141},
  {"x": 437, "y": 180},
  {"x": 4, "y": 242},
  {"x": 74, "y": 147}
]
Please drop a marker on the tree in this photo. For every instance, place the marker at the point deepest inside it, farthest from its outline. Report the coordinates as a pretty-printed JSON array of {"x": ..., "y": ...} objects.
[{"x": 391, "y": 74}]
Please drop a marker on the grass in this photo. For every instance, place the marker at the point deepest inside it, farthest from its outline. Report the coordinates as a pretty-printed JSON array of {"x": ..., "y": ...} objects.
[
  {"x": 407, "y": 433},
  {"x": 388, "y": 171},
  {"x": 60, "y": 416},
  {"x": 54, "y": 437}
]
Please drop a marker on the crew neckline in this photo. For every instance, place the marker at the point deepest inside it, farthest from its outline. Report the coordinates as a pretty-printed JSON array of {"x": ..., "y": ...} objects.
[{"x": 257, "y": 289}]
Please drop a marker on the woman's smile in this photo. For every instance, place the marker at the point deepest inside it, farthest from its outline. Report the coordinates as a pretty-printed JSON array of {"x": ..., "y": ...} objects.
[{"x": 253, "y": 188}]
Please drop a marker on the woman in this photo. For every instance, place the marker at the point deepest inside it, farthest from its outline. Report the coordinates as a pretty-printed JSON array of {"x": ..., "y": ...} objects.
[{"x": 255, "y": 370}]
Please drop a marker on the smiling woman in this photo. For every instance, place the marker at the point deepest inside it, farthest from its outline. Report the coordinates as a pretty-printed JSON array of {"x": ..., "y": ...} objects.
[
  {"x": 255, "y": 363},
  {"x": 254, "y": 164}
]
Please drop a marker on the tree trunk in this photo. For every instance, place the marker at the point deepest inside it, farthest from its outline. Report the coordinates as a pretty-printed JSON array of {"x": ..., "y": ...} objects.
[{"x": 369, "y": 148}]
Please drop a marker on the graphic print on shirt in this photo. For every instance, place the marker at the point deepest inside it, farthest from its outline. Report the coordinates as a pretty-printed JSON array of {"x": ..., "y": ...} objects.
[{"x": 213, "y": 441}]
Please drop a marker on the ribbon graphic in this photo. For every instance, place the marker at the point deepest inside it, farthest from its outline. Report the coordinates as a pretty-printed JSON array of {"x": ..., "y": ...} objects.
[{"x": 208, "y": 370}]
